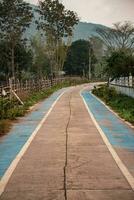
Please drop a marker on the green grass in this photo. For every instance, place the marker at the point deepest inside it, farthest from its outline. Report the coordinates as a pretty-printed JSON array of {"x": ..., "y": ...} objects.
[
  {"x": 120, "y": 103},
  {"x": 10, "y": 110}
]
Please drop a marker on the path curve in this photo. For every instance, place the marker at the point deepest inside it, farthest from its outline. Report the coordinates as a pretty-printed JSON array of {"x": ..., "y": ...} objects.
[{"x": 68, "y": 160}]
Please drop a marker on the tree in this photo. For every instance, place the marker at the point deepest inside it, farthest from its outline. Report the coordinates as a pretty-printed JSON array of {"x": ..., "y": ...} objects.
[
  {"x": 61, "y": 53},
  {"x": 120, "y": 45},
  {"x": 121, "y": 36},
  {"x": 23, "y": 60},
  {"x": 98, "y": 46},
  {"x": 15, "y": 17},
  {"x": 77, "y": 61},
  {"x": 56, "y": 19},
  {"x": 99, "y": 52},
  {"x": 120, "y": 64},
  {"x": 41, "y": 60},
  {"x": 58, "y": 23}
]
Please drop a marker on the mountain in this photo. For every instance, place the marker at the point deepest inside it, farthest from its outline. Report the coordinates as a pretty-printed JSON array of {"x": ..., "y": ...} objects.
[{"x": 83, "y": 30}]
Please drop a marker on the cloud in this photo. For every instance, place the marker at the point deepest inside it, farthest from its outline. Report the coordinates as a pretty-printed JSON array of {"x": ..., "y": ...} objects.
[{"x": 104, "y": 12}]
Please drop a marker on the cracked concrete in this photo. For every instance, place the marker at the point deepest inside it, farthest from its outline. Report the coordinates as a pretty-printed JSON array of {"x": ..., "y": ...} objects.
[{"x": 68, "y": 160}]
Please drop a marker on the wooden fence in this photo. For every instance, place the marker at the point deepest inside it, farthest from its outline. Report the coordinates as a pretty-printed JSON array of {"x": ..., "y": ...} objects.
[{"x": 22, "y": 89}]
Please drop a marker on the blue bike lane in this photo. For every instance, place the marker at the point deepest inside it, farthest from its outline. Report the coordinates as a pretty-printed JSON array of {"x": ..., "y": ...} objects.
[
  {"x": 12, "y": 143},
  {"x": 118, "y": 133}
]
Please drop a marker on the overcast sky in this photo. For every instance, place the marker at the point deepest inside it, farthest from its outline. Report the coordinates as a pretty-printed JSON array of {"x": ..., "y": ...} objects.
[{"x": 104, "y": 12}]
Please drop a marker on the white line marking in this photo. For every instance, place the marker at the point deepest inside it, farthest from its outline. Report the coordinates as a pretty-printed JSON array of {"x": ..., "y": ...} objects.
[
  {"x": 13, "y": 165},
  {"x": 118, "y": 161}
]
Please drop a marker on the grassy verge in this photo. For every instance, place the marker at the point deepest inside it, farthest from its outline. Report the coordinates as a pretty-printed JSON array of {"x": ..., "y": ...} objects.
[
  {"x": 10, "y": 110},
  {"x": 121, "y": 104}
]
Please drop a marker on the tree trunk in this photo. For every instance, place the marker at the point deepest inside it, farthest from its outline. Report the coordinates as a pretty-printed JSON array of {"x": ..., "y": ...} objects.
[{"x": 12, "y": 62}]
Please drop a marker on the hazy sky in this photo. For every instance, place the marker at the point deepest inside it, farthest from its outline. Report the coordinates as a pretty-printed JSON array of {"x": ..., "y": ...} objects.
[{"x": 104, "y": 12}]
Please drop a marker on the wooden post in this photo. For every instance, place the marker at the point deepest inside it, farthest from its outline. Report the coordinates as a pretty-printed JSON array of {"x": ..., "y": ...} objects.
[{"x": 10, "y": 85}]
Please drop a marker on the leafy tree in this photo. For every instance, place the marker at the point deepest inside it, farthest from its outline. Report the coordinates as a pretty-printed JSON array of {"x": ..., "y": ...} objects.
[
  {"x": 99, "y": 52},
  {"x": 120, "y": 63},
  {"x": 98, "y": 46},
  {"x": 58, "y": 23},
  {"x": 15, "y": 17},
  {"x": 56, "y": 20},
  {"x": 77, "y": 61},
  {"x": 23, "y": 59},
  {"x": 41, "y": 61},
  {"x": 120, "y": 44}
]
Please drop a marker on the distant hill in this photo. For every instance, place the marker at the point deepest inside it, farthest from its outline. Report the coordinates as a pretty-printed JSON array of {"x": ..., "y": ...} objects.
[
  {"x": 81, "y": 31},
  {"x": 85, "y": 30}
]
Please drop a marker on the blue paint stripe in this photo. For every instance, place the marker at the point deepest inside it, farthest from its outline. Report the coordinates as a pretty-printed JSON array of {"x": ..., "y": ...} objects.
[
  {"x": 118, "y": 133},
  {"x": 11, "y": 144}
]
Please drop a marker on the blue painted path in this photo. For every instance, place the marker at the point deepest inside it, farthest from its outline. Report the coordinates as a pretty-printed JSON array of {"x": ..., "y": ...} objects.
[
  {"x": 118, "y": 133},
  {"x": 11, "y": 144}
]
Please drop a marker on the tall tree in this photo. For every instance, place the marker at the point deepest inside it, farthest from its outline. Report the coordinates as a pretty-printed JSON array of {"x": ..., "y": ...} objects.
[
  {"x": 56, "y": 19},
  {"x": 119, "y": 64},
  {"x": 98, "y": 46},
  {"x": 58, "y": 23},
  {"x": 121, "y": 36},
  {"x": 77, "y": 61},
  {"x": 99, "y": 52},
  {"x": 41, "y": 61},
  {"x": 120, "y": 44},
  {"x": 15, "y": 17},
  {"x": 23, "y": 60}
]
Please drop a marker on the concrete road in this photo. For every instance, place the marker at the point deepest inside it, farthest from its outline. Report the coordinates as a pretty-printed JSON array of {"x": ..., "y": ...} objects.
[{"x": 68, "y": 160}]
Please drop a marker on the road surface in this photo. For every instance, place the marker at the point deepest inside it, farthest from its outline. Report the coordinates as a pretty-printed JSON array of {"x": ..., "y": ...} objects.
[{"x": 67, "y": 158}]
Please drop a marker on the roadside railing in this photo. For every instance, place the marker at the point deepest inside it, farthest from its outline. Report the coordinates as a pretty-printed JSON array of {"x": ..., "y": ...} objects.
[
  {"x": 21, "y": 88},
  {"x": 124, "y": 81},
  {"x": 124, "y": 85}
]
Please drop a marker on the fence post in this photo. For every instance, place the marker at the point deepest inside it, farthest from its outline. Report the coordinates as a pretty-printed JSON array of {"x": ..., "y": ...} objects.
[{"x": 10, "y": 86}]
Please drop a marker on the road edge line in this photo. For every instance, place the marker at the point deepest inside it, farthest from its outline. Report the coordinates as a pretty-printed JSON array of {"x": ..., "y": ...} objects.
[
  {"x": 110, "y": 109},
  {"x": 4, "y": 180},
  {"x": 120, "y": 164}
]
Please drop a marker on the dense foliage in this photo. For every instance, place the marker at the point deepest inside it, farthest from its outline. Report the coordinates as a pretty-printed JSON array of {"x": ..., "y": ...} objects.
[
  {"x": 120, "y": 64},
  {"x": 23, "y": 58},
  {"x": 120, "y": 47},
  {"x": 122, "y": 104},
  {"x": 43, "y": 57},
  {"x": 77, "y": 61},
  {"x": 15, "y": 17},
  {"x": 58, "y": 23}
]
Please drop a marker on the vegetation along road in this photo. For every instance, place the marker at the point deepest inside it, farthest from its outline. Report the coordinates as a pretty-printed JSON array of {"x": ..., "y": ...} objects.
[{"x": 70, "y": 147}]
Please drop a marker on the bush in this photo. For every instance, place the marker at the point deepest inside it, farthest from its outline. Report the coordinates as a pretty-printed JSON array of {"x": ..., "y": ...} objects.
[
  {"x": 122, "y": 104},
  {"x": 105, "y": 92}
]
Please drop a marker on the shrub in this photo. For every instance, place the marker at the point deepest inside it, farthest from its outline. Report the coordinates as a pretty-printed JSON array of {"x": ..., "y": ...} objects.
[{"x": 122, "y": 104}]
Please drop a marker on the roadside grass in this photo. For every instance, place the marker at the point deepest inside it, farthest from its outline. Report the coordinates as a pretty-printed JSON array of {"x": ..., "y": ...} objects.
[
  {"x": 121, "y": 104},
  {"x": 11, "y": 110}
]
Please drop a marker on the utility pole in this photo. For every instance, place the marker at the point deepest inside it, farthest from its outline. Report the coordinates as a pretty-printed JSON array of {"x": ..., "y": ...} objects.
[{"x": 90, "y": 57}]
